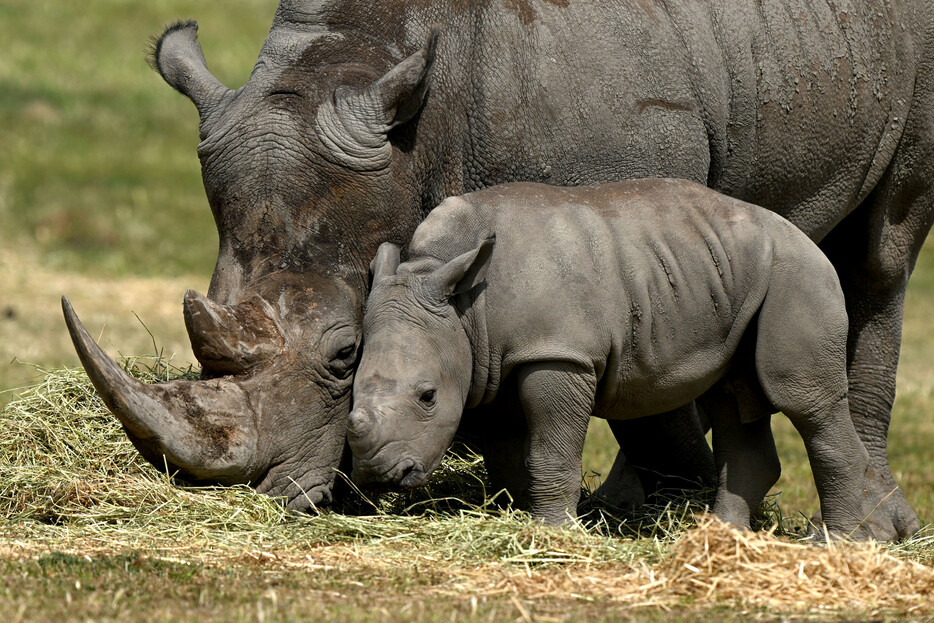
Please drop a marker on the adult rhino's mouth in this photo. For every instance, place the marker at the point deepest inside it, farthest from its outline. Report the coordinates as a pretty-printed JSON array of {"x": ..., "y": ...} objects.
[{"x": 298, "y": 496}]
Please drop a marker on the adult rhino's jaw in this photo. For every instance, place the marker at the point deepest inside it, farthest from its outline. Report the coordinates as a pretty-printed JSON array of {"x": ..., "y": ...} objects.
[{"x": 205, "y": 430}]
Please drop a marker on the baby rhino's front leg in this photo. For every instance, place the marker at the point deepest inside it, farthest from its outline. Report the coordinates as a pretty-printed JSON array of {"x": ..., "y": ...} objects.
[{"x": 558, "y": 400}]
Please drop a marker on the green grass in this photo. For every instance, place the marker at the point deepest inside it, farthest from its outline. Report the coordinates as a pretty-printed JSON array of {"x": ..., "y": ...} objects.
[{"x": 98, "y": 165}]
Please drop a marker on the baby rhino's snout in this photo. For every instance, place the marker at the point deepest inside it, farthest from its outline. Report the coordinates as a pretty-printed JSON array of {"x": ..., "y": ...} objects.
[{"x": 360, "y": 423}]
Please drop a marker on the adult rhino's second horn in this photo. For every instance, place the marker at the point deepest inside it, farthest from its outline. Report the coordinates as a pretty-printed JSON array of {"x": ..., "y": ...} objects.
[
  {"x": 204, "y": 430},
  {"x": 228, "y": 339}
]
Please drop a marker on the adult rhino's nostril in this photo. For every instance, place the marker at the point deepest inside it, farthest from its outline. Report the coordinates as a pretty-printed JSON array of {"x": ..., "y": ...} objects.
[{"x": 359, "y": 423}]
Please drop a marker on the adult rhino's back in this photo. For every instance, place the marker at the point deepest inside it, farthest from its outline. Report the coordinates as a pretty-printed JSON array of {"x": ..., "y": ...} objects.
[{"x": 742, "y": 95}]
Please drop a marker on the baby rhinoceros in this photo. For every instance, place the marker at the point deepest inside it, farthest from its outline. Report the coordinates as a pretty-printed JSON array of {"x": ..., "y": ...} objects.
[{"x": 617, "y": 301}]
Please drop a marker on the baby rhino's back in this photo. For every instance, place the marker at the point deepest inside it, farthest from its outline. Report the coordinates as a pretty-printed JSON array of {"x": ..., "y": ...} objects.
[{"x": 651, "y": 282}]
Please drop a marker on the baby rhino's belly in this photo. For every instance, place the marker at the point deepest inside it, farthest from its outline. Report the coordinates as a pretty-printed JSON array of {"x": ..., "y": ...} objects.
[{"x": 645, "y": 386}]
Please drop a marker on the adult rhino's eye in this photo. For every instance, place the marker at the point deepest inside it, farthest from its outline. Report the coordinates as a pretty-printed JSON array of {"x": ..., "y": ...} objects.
[
  {"x": 428, "y": 397},
  {"x": 345, "y": 352},
  {"x": 342, "y": 360}
]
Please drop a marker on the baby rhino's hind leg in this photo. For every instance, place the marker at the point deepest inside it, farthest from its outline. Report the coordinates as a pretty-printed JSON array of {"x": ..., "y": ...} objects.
[
  {"x": 743, "y": 448},
  {"x": 801, "y": 364}
]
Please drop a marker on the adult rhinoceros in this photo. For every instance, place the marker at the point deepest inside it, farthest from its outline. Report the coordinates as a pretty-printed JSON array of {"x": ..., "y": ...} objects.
[{"x": 352, "y": 127}]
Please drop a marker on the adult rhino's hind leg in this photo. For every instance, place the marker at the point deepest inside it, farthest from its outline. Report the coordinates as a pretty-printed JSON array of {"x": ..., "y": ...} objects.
[{"x": 874, "y": 251}]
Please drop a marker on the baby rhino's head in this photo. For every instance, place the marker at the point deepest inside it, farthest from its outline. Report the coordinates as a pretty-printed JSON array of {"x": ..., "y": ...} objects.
[{"x": 415, "y": 371}]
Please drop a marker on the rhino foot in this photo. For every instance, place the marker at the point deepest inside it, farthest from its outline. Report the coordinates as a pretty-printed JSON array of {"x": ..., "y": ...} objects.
[
  {"x": 622, "y": 487},
  {"x": 887, "y": 515}
]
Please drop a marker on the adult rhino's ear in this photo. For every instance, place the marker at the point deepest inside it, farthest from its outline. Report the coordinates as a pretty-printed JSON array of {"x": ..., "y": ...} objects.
[
  {"x": 178, "y": 58},
  {"x": 386, "y": 262},
  {"x": 354, "y": 124},
  {"x": 463, "y": 273}
]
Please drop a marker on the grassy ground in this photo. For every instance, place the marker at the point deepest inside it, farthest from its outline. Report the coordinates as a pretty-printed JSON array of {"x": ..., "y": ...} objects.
[
  {"x": 97, "y": 171},
  {"x": 90, "y": 531}
]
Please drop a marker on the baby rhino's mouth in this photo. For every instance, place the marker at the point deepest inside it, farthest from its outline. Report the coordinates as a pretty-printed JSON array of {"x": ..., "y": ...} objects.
[
  {"x": 407, "y": 474},
  {"x": 411, "y": 475}
]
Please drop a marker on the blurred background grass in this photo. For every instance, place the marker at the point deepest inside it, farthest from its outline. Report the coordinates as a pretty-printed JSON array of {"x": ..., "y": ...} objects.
[
  {"x": 101, "y": 199},
  {"x": 98, "y": 167},
  {"x": 100, "y": 187}
]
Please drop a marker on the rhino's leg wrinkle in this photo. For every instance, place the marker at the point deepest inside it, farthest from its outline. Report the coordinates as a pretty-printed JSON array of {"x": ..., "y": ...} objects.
[
  {"x": 745, "y": 454},
  {"x": 647, "y": 442},
  {"x": 558, "y": 400}
]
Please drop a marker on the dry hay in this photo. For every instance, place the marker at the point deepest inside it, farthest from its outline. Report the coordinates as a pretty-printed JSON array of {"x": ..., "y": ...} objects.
[
  {"x": 715, "y": 560},
  {"x": 71, "y": 482}
]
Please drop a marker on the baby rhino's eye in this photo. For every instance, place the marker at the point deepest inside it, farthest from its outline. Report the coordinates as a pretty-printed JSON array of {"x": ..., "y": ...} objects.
[{"x": 428, "y": 397}]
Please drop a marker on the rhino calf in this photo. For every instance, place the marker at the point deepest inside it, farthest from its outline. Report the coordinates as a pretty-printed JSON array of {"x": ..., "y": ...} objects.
[{"x": 617, "y": 301}]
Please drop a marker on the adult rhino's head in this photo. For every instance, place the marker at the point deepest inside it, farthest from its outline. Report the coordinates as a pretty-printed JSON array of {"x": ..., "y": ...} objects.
[
  {"x": 304, "y": 181},
  {"x": 416, "y": 369}
]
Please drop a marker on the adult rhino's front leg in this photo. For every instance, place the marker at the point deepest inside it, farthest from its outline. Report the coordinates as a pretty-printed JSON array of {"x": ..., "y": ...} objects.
[
  {"x": 558, "y": 400},
  {"x": 499, "y": 432}
]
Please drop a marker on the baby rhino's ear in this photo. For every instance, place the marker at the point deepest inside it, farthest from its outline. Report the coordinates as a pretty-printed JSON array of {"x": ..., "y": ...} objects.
[
  {"x": 463, "y": 272},
  {"x": 385, "y": 262}
]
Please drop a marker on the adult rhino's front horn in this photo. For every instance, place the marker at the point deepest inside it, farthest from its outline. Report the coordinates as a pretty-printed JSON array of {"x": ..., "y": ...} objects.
[{"x": 204, "y": 430}]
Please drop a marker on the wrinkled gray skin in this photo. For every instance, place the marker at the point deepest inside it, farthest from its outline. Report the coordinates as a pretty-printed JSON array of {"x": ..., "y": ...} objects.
[
  {"x": 620, "y": 301},
  {"x": 347, "y": 134}
]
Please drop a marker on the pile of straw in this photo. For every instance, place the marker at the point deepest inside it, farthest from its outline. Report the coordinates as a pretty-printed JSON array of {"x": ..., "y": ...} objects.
[{"x": 715, "y": 561}]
